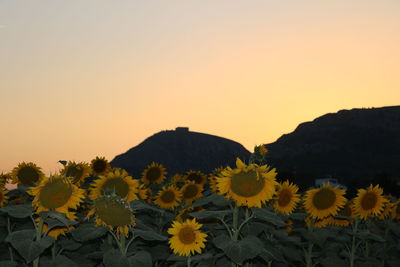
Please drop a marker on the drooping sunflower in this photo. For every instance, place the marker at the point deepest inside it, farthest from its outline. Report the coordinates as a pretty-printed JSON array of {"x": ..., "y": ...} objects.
[
  {"x": 27, "y": 174},
  {"x": 3, "y": 196},
  {"x": 116, "y": 181},
  {"x": 114, "y": 213},
  {"x": 186, "y": 237},
  {"x": 184, "y": 214},
  {"x": 145, "y": 192},
  {"x": 396, "y": 210},
  {"x": 154, "y": 174},
  {"x": 191, "y": 191},
  {"x": 249, "y": 186},
  {"x": 197, "y": 176},
  {"x": 286, "y": 198},
  {"x": 168, "y": 197},
  {"x": 56, "y": 193},
  {"x": 369, "y": 202},
  {"x": 76, "y": 172},
  {"x": 344, "y": 217},
  {"x": 324, "y": 201},
  {"x": 99, "y": 166},
  {"x": 59, "y": 230}
]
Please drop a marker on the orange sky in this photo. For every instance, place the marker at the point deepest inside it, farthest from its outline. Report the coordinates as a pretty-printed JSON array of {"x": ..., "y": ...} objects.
[{"x": 80, "y": 79}]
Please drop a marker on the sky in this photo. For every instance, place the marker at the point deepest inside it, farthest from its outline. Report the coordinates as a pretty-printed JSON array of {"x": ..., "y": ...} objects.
[{"x": 80, "y": 79}]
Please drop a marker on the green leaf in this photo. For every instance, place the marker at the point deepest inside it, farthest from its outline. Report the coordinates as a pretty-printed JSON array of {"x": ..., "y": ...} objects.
[
  {"x": 239, "y": 251},
  {"x": 138, "y": 205},
  {"x": 56, "y": 219},
  {"x": 333, "y": 262},
  {"x": 217, "y": 200},
  {"x": 59, "y": 261},
  {"x": 8, "y": 264},
  {"x": 87, "y": 232},
  {"x": 68, "y": 244},
  {"x": 18, "y": 211},
  {"x": 149, "y": 235},
  {"x": 220, "y": 214},
  {"x": 268, "y": 216},
  {"x": 114, "y": 258},
  {"x": 298, "y": 216},
  {"x": 142, "y": 259}
]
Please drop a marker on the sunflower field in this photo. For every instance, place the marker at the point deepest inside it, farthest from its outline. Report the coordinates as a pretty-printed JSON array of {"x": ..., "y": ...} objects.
[{"x": 89, "y": 214}]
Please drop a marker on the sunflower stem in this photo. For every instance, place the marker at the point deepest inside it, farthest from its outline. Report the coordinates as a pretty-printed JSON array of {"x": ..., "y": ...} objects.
[
  {"x": 353, "y": 243},
  {"x": 122, "y": 244},
  {"x": 38, "y": 237},
  {"x": 235, "y": 222},
  {"x": 308, "y": 253},
  {"x": 9, "y": 246},
  {"x": 189, "y": 261},
  {"x": 53, "y": 251}
]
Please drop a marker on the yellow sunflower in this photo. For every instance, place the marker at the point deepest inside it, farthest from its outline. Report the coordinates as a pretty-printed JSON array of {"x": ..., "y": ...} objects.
[
  {"x": 56, "y": 193},
  {"x": 116, "y": 181},
  {"x": 100, "y": 166},
  {"x": 196, "y": 176},
  {"x": 319, "y": 223},
  {"x": 249, "y": 186},
  {"x": 396, "y": 210},
  {"x": 168, "y": 197},
  {"x": 183, "y": 215},
  {"x": 59, "y": 230},
  {"x": 213, "y": 184},
  {"x": 287, "y": 198},
  {"x": 114, "y": 213},
  {"x": 191, "y": 191},
  {"x": 154, "y": 174},
  {"x": 177, "y": 178},
  {"x": 186, "y": 238},
  {"x": 369, "y": 202},
  {"x": 76, "y": 172},
  {"x": 3, "y": 196},
  {"x": 27, "y": 174},
  {"x": 324, "y": 201},
  {"x": 145, "y": 192},
  {"x": 387, "y": 211},
  {"x": 340, "y": 220}
]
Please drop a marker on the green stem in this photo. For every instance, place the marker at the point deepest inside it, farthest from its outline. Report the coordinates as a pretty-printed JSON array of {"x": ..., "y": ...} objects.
[
  {"x": 308, "y": 255},
  {"x": 38, "y": 237},
  {"x": 353, "y": 243},
  {"x": 235, "y": 224},
  {"x": 109, "y": 239},
  {"x": 189, "y": 261},
  {"x": 53, "y": 251},
  {"x": 122, "y": 244},
  {"x": 9, "y": 246}
]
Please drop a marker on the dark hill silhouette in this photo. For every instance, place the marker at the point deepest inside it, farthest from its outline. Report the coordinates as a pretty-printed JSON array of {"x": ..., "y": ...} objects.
[
  {"x": 179, "y": 151},
  {"x": 356, "y": 146}
]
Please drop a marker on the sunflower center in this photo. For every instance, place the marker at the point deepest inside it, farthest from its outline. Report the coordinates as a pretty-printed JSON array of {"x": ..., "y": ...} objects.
[
  {"x": 28, "y": 175},
  {"x": 117, "y": 185},
  {"x": 284, "y": 197},
  {"x": 113, "y": 213},
  {"x": 247, "y": 184},
  {"x": 168, "y": 196},
  {"x": 187, "y": 235},
  {"x": 74, "y": 172},
  {"x": 55, "y": 194},
  {"x": 195, "y": 177},
  {"x": 346, "y": 211},
  {"x": 190, "y": 191},
  {"x": 324, "y": 199},
  {"x": 153, "y": 174},
  {"x": 369, "y": 201},
  {"x": 99, "y": 166}
]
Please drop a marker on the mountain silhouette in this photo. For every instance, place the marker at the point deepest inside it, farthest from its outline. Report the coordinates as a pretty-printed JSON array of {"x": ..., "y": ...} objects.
[
  {"x": 181, "y": 150},
  {"x": 356, "y": 146}
]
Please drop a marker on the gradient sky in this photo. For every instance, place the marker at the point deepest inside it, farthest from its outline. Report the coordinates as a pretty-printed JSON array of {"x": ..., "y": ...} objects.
[{"x": 80, "y": 79}]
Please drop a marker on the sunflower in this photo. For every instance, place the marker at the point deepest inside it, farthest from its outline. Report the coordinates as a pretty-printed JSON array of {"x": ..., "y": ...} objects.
[
  {"x": 3, "y": 196},
  {"x": 168, "y": 197},
  {"x": 100, "y": 166},
  {"x": 369, "y": 202},
  {"x": 59, "y": 230},
  {"x": 319, "y": 223},
  {"x": 183, "y": 215},
  {"x": 76, "y": 172},
  {"x": 344, "y": 217},
  {"x": 56, "y": 193},
  {"x": 27, "y": 174},
  {"x": 249, "y": 186},
  {"x": 387, "y": 210},
  {"x": 324, "y": 201},
  {"x": 114, "y": 213},
  {"x": 117, "y": 181},
  {"x": 4, "y": 179},
  {"x": 154, "y": 174},
  {"x": 186, "y": 237},
  {"x": 196, "y": 176},
  {"x": 145, "y": 192},
  {"x": 177, "y": 178},
  {"x": 191, "y": 191},
  {"x": 396, "y": 210},
  {"x": 213, "y": 184},
  {"x": 288, "y": 228},
  {"x": 287, "y": 198}
]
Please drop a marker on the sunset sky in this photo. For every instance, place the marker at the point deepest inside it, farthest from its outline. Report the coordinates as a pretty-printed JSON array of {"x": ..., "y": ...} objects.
[{"x": 80, "y": 79}]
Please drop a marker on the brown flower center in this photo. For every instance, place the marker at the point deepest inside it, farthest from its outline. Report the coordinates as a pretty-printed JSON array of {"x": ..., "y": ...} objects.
[
  {"x": 113, "y": 213},
  {"x": 153, "y": 174},
  {"x": 247, "y": 184},
  {"x": 190, "y": 191},
  {"x": 28, "y": 175},
  {"x": 168, "y": 196},
  {"x": 99, "y": 166},
  {"x": 197, "y": 178},
  {"x": 55, "y": 194},
  {"x": 369, "y": 201},
  {"x": 187, "y": 235},
  {"x": 285, "y": 196},
  {"x": 325, "y": 198},
  {"x": 117, "y": 185},
  {"x": 75, "y": 172},
  {"x": 346, "y": 211}
]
